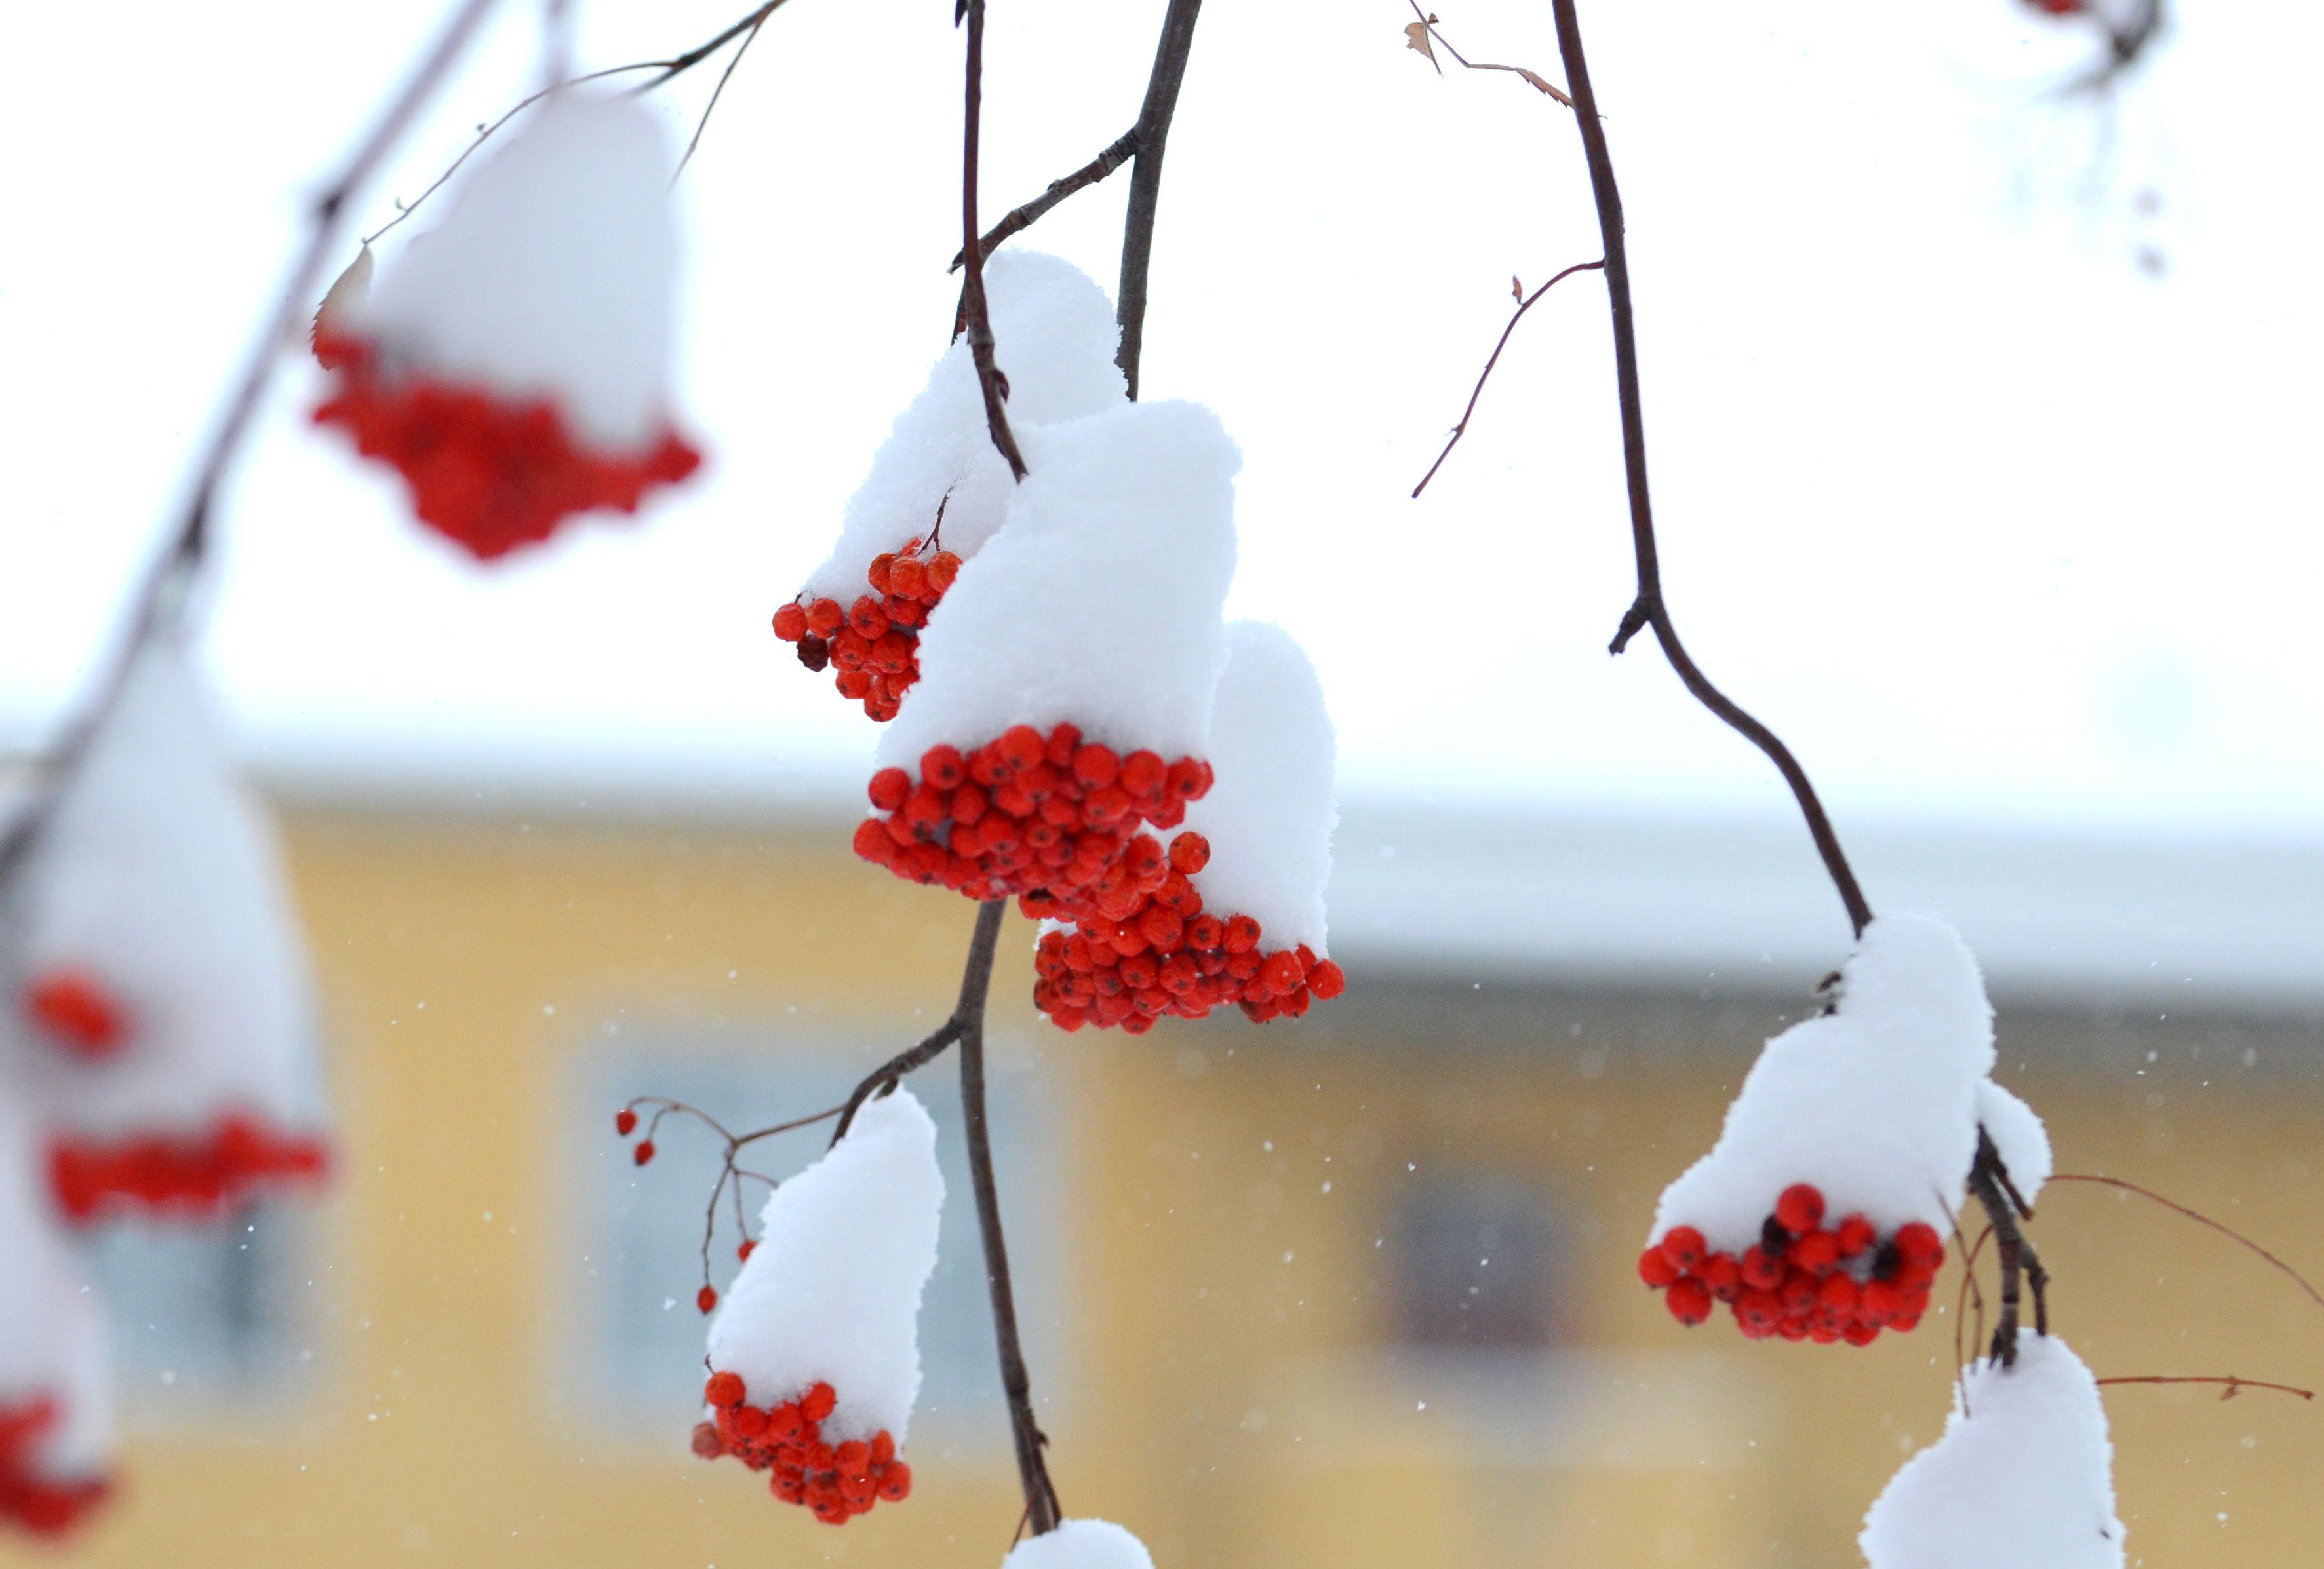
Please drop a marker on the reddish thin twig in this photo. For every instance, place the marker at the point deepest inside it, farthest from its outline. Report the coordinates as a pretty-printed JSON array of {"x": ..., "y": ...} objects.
[
  {"x": 1539, "y": 82},
  {"x": 2194, "y": 1214},
  {"x": 1524, "y": 305},
  {"x": 2235, "y": 1385}
]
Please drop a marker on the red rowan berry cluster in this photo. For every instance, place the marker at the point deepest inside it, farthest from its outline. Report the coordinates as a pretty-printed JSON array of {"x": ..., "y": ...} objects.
[
  {"x": 1045, "y": 819},
  {"x": 1801, "y": 1281},
  {"x": 875, "y": 641},
  {"x": 200, "y": 1176},
  {"x": 77, "y": 1012},
  {"x": 837, "y": 1481},
  {"x": 39, "y": 1504},
  {"x": 2060, "y": 7},
  {"x": 1141, "y": 945},
  {"x": 486, "y": 472}
]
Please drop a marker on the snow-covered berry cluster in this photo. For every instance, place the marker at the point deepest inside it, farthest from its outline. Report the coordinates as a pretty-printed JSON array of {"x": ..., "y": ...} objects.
[
  {"x": 785, "y": 1438},
  {"x": 30, "y": 1499},
  {"x": 489, "y": 473},
  {"x": 514, "y": 362},
  {"x": 1801, "y": 1281},
  {"x": 1140, "y": 945},
  {"x": 197, "y": 1176},
  {"x": 1043, "y": 818},
  {"x": 874, "y": 642}
]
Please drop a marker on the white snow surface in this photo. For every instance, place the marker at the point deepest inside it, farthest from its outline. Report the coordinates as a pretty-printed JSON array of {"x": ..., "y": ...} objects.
[
  {"x": 1054, "y": 337},
  {"x": 1080, "y": 1545},
  {"x": 52, "y": 1340},
  {"x": 1100, "y": 601},
  {"x": 1875, "y": 1103},
  {"x": 2023, "y": 1478},
  {"x": 159, "y": 877},
  {"x": 553, "y": 273},
  {"x": 1272, "y": 807},
  {"x": 832, "y": 1292},
  {"x": 2017, "y": 1133}
]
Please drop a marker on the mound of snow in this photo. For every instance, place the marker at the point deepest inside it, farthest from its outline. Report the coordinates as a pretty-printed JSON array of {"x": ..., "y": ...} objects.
[
  {"x": 1054, "y": 338},
  {"x": 156, "y": 900},
  {"x": 832, "y": 1293},
  {"x": 56, "y": 1405},
  {"x": 1099, "y": 605},
  {"x": 2018, "y": 1135},
  {"x": 1272, "y": 807},
  {"x": 1080, "y": 1544},
  {"x": 1875, "y": 1103},
  {"x": 2023, "y": 1478},
  {"x": 553, "y": 275}
]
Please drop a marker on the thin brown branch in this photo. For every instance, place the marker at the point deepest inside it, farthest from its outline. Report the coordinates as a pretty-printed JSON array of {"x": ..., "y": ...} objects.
[
  {"x": 975, "y": 312},
  {"x": 1539, "y": 82},
  {"x": 1523, "y": 305},
  {"x": 885, "y": 1078},
  {"x": 1019, "y": 219},
  {"x": 2013, "y": 1253},
  {"x": 1041, "y": 1505},
  {"x": 2297, "y": 1277},
  {"x": 162, "y": 592},
  {"x": 1153, "y": 133},
  {"x": 1648, "y": 608},
  {"x": 719, "y": 91},
  {"x": 2235, "y": 1385}
]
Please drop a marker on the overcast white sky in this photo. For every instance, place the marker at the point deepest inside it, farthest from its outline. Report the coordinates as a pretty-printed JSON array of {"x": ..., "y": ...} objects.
[{"x": 1984, "y": 517}]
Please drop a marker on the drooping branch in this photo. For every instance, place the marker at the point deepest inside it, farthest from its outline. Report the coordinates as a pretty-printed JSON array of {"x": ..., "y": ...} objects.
[
  {"x": 1153, "y": 133},
  {"x": 1525, "y": 303},
  {"x": 977, "y": 313},
  {"x": 2013, "y": 1253},
  {"x": 1648, "y": 608},
  {"x": 2197, "y": 1216},
  {"x": 2235, "y": 1385},
  {"x": 1019, "y": 219},
  {"x": 162, "y": 593}
]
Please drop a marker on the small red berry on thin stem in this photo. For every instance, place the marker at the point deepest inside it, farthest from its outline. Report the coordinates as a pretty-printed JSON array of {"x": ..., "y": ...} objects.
[{"x": 625, "y": 1121}]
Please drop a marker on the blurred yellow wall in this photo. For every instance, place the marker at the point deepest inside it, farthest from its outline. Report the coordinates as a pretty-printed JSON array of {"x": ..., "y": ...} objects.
[{"x": 1236, "y": 1390}]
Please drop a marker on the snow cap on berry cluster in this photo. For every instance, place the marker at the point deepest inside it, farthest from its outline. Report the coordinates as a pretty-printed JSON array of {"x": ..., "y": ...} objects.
[
  {"x": 2023, "y": 1478},
  {"x": 1055, "y": 337},
  {"x": 1270, "y": 816},
  {"x": 157, "y": 986},
  {"x": 56, "y": 1403},
  {"x": 1875, "y": 1104},
  {"x": 832, "y": 1292},
  {"x": 1080, "y": 1545},
  {"x": 1100, "y": 605},
  {"x": 553, "y": 275},
  {"x": 2019, "y": 1137}
]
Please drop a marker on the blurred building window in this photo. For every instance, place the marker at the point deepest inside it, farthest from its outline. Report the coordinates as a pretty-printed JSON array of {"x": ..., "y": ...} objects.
[
  {"x": 640, "y": 1238},
  {"x": 207, "y": 1309},
  {"x": 1481, "y": 1263}
]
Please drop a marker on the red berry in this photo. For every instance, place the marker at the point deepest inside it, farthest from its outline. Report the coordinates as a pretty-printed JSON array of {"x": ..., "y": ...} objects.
[
  {"x": 707, "y": 1444},
  {"x": 790, "y": 622},
  {"x": 942, "y": 568},
  {"x": 1684, "y": 1246},
  {"x": 889, "y": 788},
  {"x": 706, "y": 1298},
  {"x": 746, "y": 1250},
  {"x": 1724, "y": 1276},
  {"x": 1917, "y": 1244},
  {"x": 1818, "y": 1252},
  {"x": 625, "y": 1121},
  {"x": 1800, "y": 1209},
  {"x": 1190, "y": 852},
  {"x": 1854, "y": 1235},
  {"x": 818, "y": 1402},
  {"x": 908, "y": 577},
  {"x": 725, "y": 1391},
  {"x": 1656, "y": 1268},
  {"x": 76, "y": 1010},
  {"x": 1689, "y": 1302},
  {"x": 643, "y": 1153},
  {"x": 1762, "y": 1271},
  {"x": 943, "y": 766},
  {"x": 1326, "y": 980}
]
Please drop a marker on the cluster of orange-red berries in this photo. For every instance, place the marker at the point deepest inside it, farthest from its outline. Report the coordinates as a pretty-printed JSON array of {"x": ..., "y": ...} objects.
[
  {"x": 1141, "y": 945},
  {"x": 76, "y": 1012},
  {"x": 486, "y": 472},
  {"x": 837, "y": 1481},
  {"x": 1040, "y": 818},
  {"x": 43, "y": 1507},
  {"x": 1802, "y": 1280},
  {"x": 875, "y": 643},
  {"x": 197, "y": 1176}
]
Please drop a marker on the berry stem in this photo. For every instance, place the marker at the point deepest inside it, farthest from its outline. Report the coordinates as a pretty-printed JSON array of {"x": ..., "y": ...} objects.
[
  {"x": 1041, "y": 1506},
  {"x": 1647, "y": 609}
]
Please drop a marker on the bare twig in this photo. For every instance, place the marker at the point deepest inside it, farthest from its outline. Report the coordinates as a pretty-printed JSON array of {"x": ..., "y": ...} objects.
[
  {"x": 2013, "y": 1252},
  {"x": 162, "y": 592},
  {"x": 974, "y": 311},
  {"x": 1524, "y": 305},
  {"x": 719, "y": 91},
  {"x": 1153, "y": 133},
  {"x": 2297, "y": 1277},
  {"x": 884, "y": 1078},
  {"x": 2235, "y": 1385},
  {"x": 1428, "y": 26},
  {"x": 1648, "y": 608},
  {"x": 1019, "y": 219}
]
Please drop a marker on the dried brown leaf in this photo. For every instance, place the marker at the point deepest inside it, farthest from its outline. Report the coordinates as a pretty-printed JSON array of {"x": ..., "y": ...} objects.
[{"x": 1416, "y": 36}]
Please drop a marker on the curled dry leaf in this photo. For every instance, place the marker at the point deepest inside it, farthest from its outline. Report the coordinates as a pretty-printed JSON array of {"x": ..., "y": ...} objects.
[{"x": 1416, "y": 36}]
